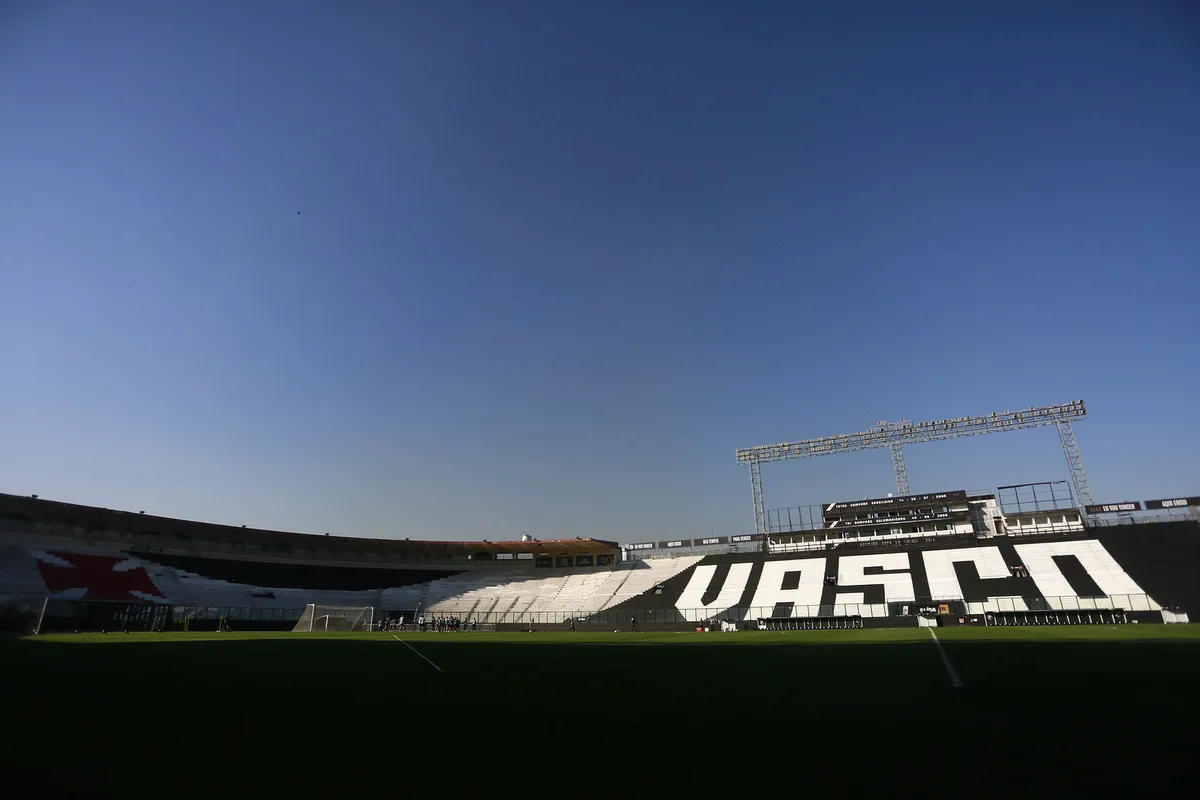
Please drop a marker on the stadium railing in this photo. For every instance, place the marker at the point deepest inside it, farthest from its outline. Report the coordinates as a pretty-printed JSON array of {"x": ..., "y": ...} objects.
[
  {"x": 410, "y": 627},
  {"x": 1144, "y": 518},
  {"x": 21, "y": 613}
]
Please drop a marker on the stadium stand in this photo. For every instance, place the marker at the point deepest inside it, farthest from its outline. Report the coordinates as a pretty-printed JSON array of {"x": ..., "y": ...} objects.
[
  {"x": 611, "y": 585},
  {"x": 1112, "y": 584},
  {"x": 520, "y": 598},
  {"x": 143, "y": 533},
  {"x": 507, "y": 593},
  {"x": 211, "y": 574},
  {"x": 73, "y": 553},
  {"x": 644, "y": 576},
  {"x": 579, "y": 592},
  {"x": 1163, "y": 556}
]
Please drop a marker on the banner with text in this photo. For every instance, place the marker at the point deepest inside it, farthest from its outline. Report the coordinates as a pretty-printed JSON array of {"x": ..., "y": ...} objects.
[
  {"x": 903, "y": 500},
  {"x": 879, "y": 522},
  {"x": 1112, "y": 508},
  {"x": 1176, "y": 502}
]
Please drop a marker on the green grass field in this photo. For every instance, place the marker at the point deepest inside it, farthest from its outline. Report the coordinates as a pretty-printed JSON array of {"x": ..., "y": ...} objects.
[{"x": 1040, "y": 712}]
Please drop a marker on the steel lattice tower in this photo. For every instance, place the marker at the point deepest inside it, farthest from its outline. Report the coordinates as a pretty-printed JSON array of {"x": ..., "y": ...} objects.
[
  {"x": 1066, "y": 434},
  {"x": 899, "y": 469},
  {"x": 894, "y": 435}
]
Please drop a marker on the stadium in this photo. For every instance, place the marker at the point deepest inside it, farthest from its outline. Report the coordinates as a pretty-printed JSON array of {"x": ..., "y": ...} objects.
[{"x": 1025, "y": 626}]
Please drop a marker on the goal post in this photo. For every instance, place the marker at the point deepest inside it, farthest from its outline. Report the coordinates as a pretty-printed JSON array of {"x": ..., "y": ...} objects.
[{"x": 320, "y": 619}]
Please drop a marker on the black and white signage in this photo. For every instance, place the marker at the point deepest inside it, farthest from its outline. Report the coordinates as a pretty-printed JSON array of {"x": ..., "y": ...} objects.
[
  {"x": 746, "y": 537},
  {"x": 881, "y": 584},
  {"x": 883, "y": 522},
  {"x": 674, "y": 543},
  {"x": 905, "y": 500},
  {"x": 584, "y": 561},
  {"x": 1112, "y": 508},
  {"x": 1177, "y": 502}
]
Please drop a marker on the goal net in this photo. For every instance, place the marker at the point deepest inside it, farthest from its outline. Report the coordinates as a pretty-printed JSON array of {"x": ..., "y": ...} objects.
[{"x": 335, "y": 618}]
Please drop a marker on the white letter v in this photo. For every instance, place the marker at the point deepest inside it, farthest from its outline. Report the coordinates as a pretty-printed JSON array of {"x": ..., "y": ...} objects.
[{"x": 690, "y": 602}]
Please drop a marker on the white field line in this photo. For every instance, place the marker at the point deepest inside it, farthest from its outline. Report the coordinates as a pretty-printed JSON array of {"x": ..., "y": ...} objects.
[
  {"x": 954, "y": 679},
  {"x": 418, "y": 652}
]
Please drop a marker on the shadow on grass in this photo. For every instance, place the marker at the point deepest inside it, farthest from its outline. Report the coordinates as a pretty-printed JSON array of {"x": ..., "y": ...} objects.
[{"x": 321, "y": 716}]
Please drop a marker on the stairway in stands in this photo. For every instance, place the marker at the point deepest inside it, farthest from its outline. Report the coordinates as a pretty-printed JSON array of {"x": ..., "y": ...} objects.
[
  {"x": 540, "y": 597},
  {"x": 645, "y": 575},
  {"x": 579, "y": 593}
]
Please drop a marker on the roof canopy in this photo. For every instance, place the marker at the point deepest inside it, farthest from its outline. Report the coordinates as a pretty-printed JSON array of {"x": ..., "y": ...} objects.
[{"x": 138, "y": 524}]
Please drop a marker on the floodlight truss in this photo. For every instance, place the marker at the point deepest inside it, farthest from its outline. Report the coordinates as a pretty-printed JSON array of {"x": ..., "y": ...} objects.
[{"x": 894, "y": 435}]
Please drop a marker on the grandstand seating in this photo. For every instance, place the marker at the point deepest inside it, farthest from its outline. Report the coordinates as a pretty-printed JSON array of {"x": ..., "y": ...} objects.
[
  {"x": 577, "y": 592},
  {"x": 18, "y": 574},
  {"x": 989, "y": 565},
  {"x": 492, "y": 595},
  {"x": 29, "y": 517},
  {"x": 1117, "y": 589},
  {"x": 855, "y": 603},
  {"x": 1034, "y": 574},
  {"x": 645, "y": 575},
  {"x": 940, "y": 571},
  {"x": 462, "y": 594},
  {"x": 516, "y": 596},
  {"x": 998, "y": 604},
  {"x": 1163, "y": 558},
  {"x": 612, "y": 583},
  {"x": 96, "y": 577}
]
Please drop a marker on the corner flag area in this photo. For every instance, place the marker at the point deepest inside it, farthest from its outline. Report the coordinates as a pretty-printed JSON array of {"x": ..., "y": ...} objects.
[{"x": 1044, "y": 709}]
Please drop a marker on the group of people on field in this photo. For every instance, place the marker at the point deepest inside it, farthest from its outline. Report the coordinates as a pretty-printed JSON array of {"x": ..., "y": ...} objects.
[
  {"x": 439, "y": 624},
  {"x": 392, "y": 624},
  {"x": 443, "y": 624}
]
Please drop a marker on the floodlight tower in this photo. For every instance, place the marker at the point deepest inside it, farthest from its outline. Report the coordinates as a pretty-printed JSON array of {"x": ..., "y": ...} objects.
[
  {"x": 897, "y": 456},
  {"x": 893, "y": 435}
]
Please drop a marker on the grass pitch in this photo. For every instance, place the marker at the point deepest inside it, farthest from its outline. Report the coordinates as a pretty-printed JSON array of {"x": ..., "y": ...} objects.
[{"x": 1041, "y": 712}]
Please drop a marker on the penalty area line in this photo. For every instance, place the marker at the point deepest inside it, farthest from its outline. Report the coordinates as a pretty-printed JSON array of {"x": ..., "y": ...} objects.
[
  {"x": 418, "y": 652},
  {"x": 955, "y": 681}
]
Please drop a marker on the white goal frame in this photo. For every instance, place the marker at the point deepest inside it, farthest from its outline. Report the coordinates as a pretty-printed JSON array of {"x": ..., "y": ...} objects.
[{"x": 317, "y": 623}]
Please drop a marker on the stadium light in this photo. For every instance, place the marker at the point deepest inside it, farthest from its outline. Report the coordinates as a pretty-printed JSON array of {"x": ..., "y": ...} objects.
[{"x": 894, "y": 435}]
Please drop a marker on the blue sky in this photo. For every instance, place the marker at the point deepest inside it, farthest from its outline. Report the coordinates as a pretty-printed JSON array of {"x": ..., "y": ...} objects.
[{"x": 467, "y": 270}]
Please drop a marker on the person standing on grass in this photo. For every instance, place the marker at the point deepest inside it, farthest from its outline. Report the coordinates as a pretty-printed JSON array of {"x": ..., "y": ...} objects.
[
  {"x": 572, "y": 623},
  {"x": 632, "y": 624}
]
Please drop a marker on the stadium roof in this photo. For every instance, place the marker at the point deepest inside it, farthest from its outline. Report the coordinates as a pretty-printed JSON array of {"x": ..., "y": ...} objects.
[{"x": 36, "y": 510}]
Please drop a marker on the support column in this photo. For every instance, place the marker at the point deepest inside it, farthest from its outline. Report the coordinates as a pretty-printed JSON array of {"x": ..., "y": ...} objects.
[
  {"x": 760, "y": 514},
  {"x": 899, "y": 469},
  {"x": 1083, "y": 492}
]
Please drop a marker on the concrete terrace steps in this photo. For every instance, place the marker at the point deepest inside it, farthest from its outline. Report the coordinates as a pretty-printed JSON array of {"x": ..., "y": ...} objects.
[
  {"x": 648, "y": 575},
  {"x": 612, "y": 584},
  {"x": 526, "y": 597},
  {"x": 579, "y": 592}
]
